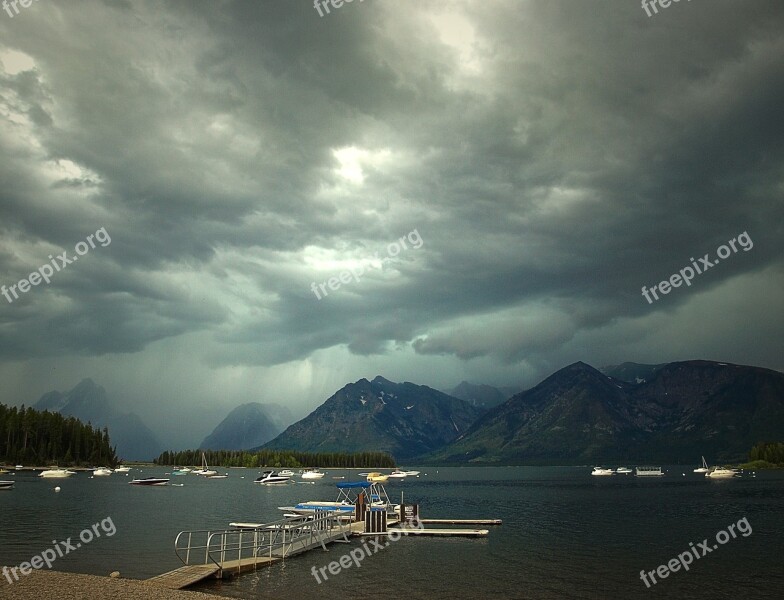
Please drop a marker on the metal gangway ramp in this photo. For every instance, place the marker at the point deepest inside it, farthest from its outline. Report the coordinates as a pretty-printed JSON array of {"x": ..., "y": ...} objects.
[{"x": 227, "y": 552}]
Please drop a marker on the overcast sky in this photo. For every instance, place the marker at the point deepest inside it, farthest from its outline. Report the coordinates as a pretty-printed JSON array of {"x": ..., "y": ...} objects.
[{"x": 551, "y": 156}]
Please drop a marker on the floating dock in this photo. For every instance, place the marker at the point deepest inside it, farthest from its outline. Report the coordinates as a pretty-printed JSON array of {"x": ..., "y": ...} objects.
[
  {"x": 249, "y": 546},
  {"x": 436, "y": 532},
  {"x": 460, "y": 521}
]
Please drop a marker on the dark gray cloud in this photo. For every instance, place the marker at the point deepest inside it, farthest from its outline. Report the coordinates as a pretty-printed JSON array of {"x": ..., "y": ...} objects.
[{"x": 554, "y": 157}]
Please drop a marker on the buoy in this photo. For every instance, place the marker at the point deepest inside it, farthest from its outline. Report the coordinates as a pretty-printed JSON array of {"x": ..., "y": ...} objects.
[
  {"x": 57, "y": 489},
  {"x": 114, "y": 574}
]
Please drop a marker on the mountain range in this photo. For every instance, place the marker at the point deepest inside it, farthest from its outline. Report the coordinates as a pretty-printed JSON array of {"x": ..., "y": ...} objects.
[
  {"x": 247, "y": 426},
  {"x": 88, "y": 402},
  {"x": 479, "y": 395},
  {"x": 628, "y": 413},
  {"x": 580, "y": 415},
  {"x": 404, "y": 419}
]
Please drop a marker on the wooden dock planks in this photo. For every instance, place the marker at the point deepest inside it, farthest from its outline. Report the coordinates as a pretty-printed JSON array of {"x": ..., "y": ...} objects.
[{"x": 184, "y": 576}]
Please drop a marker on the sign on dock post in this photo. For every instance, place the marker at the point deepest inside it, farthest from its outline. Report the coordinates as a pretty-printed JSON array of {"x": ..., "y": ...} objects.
[{"x": 409, "y": 514}]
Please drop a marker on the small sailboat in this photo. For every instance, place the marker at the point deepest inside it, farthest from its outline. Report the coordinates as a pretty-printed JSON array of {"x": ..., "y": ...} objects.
[
  {"x": 205, "y": 470},
  {"x": 704, "y": 468}
]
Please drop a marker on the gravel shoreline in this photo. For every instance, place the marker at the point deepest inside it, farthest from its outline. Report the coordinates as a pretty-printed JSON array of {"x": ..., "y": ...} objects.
[{"x": 46, "y": 585}]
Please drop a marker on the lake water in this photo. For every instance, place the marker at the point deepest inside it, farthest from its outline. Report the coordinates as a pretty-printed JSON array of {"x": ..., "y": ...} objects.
[{"x": 565, "y": 534}]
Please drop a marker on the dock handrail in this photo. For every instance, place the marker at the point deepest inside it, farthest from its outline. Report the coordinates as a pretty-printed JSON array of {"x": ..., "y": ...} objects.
[{"x": 275, "y": 539}]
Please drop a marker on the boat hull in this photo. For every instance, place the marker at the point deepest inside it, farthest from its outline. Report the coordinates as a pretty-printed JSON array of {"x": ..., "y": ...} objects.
[
  {"x": 56, "y": 474},
  {"x": 151, "y": 481},
  {"x": 721, "y": 474}
]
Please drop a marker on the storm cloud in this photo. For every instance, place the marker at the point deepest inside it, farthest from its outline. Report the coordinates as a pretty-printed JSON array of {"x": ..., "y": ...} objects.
[{"x": 555, "y": 156}]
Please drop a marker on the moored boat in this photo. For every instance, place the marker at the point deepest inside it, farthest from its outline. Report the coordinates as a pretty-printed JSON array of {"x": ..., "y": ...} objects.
[
  {"x": 272, "y": 478},
  {"x": 704, "y": 468},
  {"x": 348, "y": 493},
  {"x": 102, "y": 472},
  {"x": 649, "y": 472},
  {"x": 286, "y": 473},
  {"x": 721, "y": 473},
  {"x": 149, "y": 481},
  {"x": 602, "y": 472},
  {"x": 398, "y": 474},
  {"x": 205, "y": 469},
  {"x": 312, "y": 474},
  {"x": 623, "y": 470},
  {"x": 376, "y": 477},
  {"x": 122, "y": 469},
  {"x": 6, "y": 485},
  {"x": 56, "y": 473}
]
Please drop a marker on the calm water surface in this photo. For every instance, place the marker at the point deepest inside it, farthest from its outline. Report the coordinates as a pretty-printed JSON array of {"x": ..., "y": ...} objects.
[{"x": 565, "y": 534}]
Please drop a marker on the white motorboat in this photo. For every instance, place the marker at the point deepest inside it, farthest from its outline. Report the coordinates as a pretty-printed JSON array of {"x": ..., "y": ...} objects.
[
  {"x": 102, "y": 472},
  {"x": 720, "y": 473},
  {"x": 216, "y": 476},
  {"x": 149, "y": 481},
  {"x": 286, "y": 473},
  {"x": 649, "y": 472},
  {"x": 272, "y": 478},
  {"x": 704, "y": 468},
  {"x": 398, "y": 474},
  {"x": 312, "y": 474},
  {"x": 412, "y": 473},
  {"x": 623, "y": 470},
  {"x": 122, "y": 469},
  {"x": 56, "y": 473},
  {"x": 6, "y": 485},
  {"x": 599, "y": 471}
]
